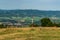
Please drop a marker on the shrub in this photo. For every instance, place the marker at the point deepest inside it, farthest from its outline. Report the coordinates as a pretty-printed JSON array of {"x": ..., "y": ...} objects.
[{"x": 46, "y": 22}]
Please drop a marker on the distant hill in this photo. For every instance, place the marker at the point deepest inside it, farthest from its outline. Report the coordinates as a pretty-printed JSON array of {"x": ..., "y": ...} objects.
[
  {"x": 17, "y": 15},
  {"x": 29, "y": 13}
]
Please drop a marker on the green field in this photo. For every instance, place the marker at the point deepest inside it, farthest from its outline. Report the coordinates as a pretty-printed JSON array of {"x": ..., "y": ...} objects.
[{"x": 39, "y": 33}]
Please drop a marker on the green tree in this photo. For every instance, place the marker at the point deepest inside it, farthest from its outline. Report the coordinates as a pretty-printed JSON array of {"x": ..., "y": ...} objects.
[{"x": 46, "y": 22}]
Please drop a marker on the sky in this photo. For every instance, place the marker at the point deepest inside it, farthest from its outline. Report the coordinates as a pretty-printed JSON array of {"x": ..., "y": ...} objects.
[{"x": 30, "y": 4}]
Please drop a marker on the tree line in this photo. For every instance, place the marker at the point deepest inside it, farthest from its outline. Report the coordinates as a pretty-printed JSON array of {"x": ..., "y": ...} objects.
[{"x": 45, "y": 22}]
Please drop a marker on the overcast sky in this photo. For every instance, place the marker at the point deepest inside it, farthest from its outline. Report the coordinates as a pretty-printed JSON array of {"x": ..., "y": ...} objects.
[{"x": 30, "y": 4}]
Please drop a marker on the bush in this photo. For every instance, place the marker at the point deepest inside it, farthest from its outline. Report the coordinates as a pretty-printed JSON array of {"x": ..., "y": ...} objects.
[
  {"x": 2, "y": 26},
  {"x": 46, "y": 22},
  {"x": 58, "y": 25}
]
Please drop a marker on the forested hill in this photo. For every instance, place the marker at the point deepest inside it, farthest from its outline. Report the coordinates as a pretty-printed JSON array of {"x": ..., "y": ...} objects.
[{"x": 28, "y": 13}]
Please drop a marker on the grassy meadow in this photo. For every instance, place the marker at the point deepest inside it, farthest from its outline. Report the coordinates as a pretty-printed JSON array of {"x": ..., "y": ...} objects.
[{"x": 38, "y": 33}]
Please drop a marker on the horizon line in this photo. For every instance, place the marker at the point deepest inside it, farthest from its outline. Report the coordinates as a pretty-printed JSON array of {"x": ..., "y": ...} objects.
[{"x": 31, "y": 9}]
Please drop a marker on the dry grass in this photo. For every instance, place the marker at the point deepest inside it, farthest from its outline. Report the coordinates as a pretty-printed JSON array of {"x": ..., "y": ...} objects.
[{"x": 38, "y": 33}]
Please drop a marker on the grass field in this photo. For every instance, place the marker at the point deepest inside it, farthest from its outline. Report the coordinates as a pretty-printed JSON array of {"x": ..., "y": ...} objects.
[{"x": 38, "y": 33}]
